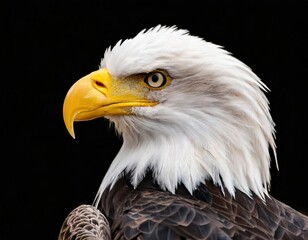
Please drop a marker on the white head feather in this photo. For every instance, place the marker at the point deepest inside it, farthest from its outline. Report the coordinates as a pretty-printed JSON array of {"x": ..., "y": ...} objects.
[{"x": 212, "y": 122}]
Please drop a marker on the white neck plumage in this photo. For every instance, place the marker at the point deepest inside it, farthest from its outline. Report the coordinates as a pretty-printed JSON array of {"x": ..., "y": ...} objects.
[{"x": 193, "y": 146}]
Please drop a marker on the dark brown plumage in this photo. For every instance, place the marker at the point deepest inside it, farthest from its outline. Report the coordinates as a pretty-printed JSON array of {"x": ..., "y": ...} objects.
[
  {"x": 150, "y": 213},
  {"x": 154, "y": 214}
]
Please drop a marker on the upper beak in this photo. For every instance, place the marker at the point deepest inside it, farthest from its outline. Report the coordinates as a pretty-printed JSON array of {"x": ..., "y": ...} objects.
[{"x": 97, "y": 95}]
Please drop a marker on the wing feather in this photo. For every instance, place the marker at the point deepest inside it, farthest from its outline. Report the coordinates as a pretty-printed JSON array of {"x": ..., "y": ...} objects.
[{"x": 85, "y": 223}]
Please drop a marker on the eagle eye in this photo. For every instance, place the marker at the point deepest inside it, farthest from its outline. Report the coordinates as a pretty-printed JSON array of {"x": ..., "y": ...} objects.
[{"x": 155, "y": 79}]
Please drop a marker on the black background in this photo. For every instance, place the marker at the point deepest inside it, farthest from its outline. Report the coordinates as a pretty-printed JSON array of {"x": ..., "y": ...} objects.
[{"x": 48, "y": 45}]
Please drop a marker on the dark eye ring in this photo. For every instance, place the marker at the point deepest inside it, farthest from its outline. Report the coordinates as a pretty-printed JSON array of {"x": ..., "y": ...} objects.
[{"x": 155, "y": 79}]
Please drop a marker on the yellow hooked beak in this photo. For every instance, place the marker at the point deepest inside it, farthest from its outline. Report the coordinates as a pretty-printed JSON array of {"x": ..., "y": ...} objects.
[{"x": 98, "y": 94}]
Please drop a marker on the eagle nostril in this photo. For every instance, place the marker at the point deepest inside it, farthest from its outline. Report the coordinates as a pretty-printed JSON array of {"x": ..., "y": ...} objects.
[{"x": 100, "y": 84}]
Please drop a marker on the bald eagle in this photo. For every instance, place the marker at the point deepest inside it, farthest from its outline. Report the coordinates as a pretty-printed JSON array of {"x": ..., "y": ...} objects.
[{"x": 197, "y": 135}]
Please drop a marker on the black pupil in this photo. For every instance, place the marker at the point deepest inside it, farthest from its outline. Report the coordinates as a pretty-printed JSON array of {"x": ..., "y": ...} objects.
[{"x": 155, "y": 78}]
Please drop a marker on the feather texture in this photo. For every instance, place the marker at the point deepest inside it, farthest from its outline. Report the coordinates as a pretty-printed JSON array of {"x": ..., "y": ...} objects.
[
  {"x": 85, "y": 223},
  {"x": 147, "y": 212}
]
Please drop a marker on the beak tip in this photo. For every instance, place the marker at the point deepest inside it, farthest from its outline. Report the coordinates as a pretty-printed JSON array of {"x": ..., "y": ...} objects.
[
  {"x": 71, "y": 132},
  {"x": 70, "y": 127},
  {"x": 73, "y": 136}
]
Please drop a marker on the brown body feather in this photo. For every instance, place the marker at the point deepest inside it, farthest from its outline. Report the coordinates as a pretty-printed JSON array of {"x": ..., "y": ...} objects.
[{"x": 150, "y": 213}]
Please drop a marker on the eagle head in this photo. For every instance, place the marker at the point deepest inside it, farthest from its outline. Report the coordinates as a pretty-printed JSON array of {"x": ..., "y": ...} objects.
[{"x": 187, "y": 110}]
